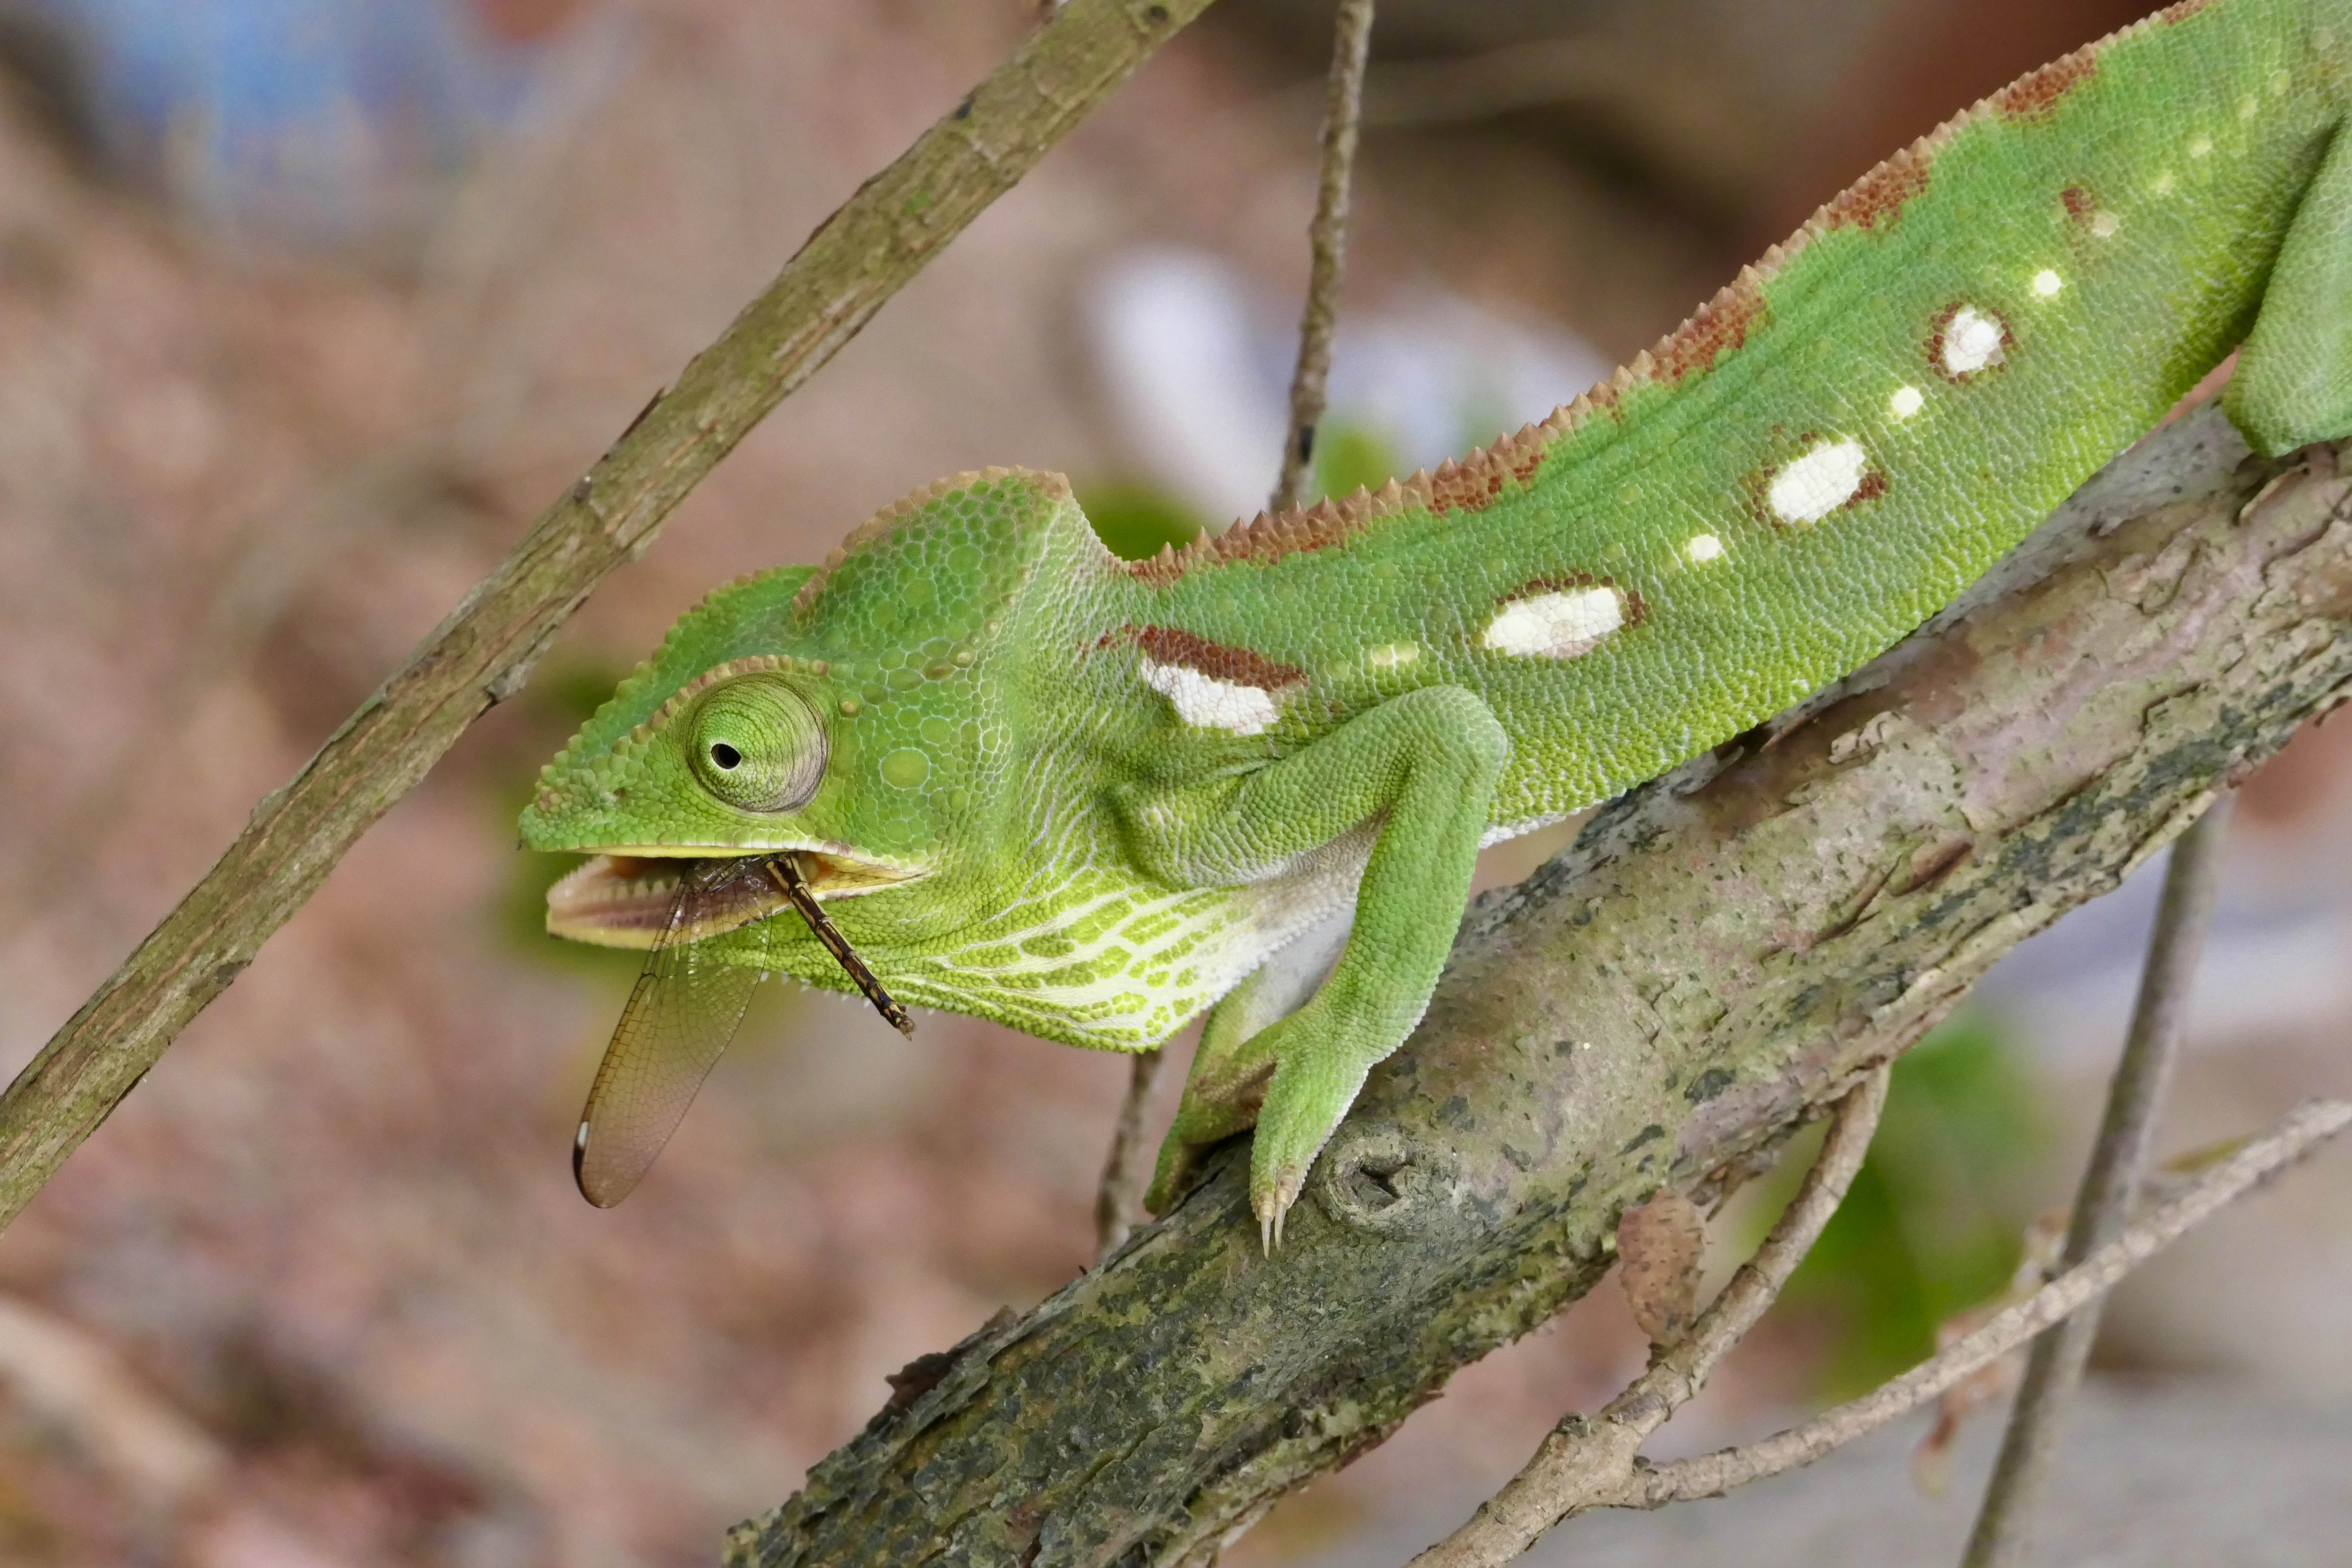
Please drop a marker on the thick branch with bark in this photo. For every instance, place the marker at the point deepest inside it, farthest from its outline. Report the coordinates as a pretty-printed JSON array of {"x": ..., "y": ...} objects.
[
  {"x": 1719, "y": 956},
  {"x": 856, "y": 260}
]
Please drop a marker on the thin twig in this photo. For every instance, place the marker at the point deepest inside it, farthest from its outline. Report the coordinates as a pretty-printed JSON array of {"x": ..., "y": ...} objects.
[
  {"x": 1118, "y": 1203},
  {"x": 1711, "y": 1475},
  {"x": 2111, "y": 1184},
  {"x": 1583, "y": 1457},
  {"x": 1343, "y": 110},
  {"x": 856, "y": 260}
]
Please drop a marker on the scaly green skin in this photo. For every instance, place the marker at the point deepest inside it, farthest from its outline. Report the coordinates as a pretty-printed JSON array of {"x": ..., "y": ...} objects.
[{"x": 1118, "y": 794}]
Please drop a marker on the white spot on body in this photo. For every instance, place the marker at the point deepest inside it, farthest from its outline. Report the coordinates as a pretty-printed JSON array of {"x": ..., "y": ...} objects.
[
  {"x": 1704, "y": 548},
  {"x": 2201, "y": 147},
  {"x": 1206, "y": 702},
  {"x": 2047, "y": 283},
  {"x": 2249, "y": 108},
  {"x": 2162, "y": 184},
  {"x": 1394, "y": 655},
  {"x": 1972, "y": 341},
  {"x": 1906, "y": 401},
  {"x": 1818, "y": 483},
  {"x": 2104, "y": 224},
  {"x": 1557, "y": 625}
]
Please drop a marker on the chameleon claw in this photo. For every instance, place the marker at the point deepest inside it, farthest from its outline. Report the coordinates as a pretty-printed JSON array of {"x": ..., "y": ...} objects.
[{"x": 1271, "y": 1209}]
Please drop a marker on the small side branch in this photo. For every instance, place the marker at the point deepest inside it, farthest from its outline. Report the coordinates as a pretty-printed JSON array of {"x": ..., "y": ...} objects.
[
  {"x": 1118, "y": 1203},
  {"x": 2111, "y": 1184},
  {"x": 1583, "y": 1459},
  {"x": 1711, "y": 1475},
  {"x": 1350, "y": 47}
]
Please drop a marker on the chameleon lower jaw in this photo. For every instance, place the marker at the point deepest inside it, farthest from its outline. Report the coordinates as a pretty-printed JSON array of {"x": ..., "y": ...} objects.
[{"x": 618, "y": 900}]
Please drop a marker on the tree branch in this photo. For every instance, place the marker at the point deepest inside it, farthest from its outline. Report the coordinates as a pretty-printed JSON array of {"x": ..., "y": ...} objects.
[
  {"x": 854, "y": 261},
  {"x": 1720, "y": 953},
  {"x": 1583, "y": 1459},
  {"x": 1119, "y": 1201},
  {"x": 1712, "y": 1475}
]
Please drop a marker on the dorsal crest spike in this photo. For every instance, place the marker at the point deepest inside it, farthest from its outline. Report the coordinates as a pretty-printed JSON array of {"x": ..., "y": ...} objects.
[{"x": 1464, "y": 484}]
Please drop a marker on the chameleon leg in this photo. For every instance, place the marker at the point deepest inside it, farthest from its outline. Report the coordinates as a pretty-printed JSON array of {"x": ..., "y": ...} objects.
[
  {"x": 2294, "y": 383},
  {"x": 1228, "y": 1079},
  {"x": 1425, "y": 765}
]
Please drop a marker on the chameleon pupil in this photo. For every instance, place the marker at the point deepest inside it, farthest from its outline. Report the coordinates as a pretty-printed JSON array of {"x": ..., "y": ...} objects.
[{"x": 726, "y": 756}]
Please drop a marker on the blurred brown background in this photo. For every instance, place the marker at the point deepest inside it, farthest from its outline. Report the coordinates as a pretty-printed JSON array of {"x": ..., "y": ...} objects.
[{"x": 282, "y": 374}]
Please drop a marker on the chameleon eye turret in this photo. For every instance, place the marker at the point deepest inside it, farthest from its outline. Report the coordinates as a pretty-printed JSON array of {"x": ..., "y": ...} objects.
[{"x": 758, "y": 745}]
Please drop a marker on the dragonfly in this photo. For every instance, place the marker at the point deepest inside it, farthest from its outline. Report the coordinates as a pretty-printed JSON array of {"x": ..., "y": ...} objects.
[{"x": 684, "y": 1011}]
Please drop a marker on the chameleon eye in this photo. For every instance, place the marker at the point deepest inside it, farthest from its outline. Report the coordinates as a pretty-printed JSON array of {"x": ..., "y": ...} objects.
[{"x": 757, "y": 745}]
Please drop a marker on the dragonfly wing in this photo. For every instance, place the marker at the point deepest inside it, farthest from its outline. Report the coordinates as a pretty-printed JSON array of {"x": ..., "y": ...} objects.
[{"x": 684, "y": 1011}]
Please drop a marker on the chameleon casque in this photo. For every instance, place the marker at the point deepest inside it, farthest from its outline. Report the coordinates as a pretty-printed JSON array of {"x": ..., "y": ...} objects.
[{"x": 1091, "y": 798}]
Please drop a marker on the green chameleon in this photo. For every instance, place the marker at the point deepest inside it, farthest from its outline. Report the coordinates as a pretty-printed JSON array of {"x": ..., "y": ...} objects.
[{"x": 1000, "y": 771}]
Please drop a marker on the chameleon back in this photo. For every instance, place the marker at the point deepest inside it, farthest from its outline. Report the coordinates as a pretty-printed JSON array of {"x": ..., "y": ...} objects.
[{"x": 1826, "y": 454}]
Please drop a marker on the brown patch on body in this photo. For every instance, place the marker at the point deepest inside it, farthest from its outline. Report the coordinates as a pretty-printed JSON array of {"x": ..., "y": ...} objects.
[
  {"x": 1878, "y": 196},
  {"x": 1218, "y": 661},
  {"x": 2037, "y": 92},
  {"x": 1716, "y": 328},
  {"x": 1942, "y": 324},
  {"x": 1872, "y": 486},
  {"x": 2080, "y": 205}
]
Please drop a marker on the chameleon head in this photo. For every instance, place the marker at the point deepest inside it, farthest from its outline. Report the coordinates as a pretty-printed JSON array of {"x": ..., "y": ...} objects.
[
  {"x": 844, "y": 712},
  {"x": 741, "y": 759}
]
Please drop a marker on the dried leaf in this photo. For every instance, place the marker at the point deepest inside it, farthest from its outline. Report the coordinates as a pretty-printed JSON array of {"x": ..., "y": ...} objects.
[{"x": 1658, "y": 1248}]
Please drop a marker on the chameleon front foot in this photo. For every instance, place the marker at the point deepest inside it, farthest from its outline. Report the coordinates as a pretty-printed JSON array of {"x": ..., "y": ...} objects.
[
  {"x": 1277, "y": 1175},
  {"x": 1291, "y": 1082},
  {"x": 1310, "y": 1093}
]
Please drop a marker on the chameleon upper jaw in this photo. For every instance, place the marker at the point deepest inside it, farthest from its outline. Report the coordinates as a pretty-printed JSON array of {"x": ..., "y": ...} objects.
[{"x": 624, "y": 898}]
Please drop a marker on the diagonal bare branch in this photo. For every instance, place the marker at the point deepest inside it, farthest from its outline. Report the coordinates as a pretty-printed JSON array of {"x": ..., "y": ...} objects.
[{"x": 481, "y": 654}]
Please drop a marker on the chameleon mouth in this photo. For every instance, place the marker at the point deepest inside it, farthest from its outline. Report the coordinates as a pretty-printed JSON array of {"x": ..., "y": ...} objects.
[{"x": 624, "y": 899}]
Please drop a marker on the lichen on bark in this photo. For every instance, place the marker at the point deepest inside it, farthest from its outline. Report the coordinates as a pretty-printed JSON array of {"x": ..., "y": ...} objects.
[{"x": 1714, "y": 961}]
